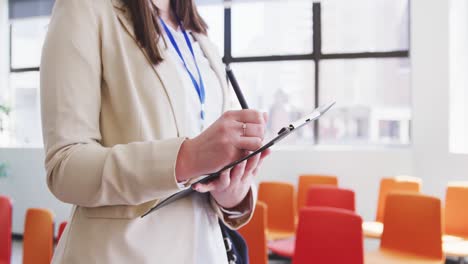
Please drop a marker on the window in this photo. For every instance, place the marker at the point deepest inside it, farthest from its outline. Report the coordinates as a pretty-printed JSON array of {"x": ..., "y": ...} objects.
[
  {"x": 373, "y": 98},
  {"x": 261, "y": 28},
  {"x": 291, "y": 56},
  {"x": 213, "y": 15},
  {"x": 22, "y": 126},
  {"x": 364, "y": 25},
  {"x": 25, "y": 115},
  {"x": 27, "y": 37},
  {"x": 283, "y": 90}
]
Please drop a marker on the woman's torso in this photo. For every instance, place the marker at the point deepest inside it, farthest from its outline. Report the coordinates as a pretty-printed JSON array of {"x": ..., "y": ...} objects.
[{"x": 140, "y": 102}]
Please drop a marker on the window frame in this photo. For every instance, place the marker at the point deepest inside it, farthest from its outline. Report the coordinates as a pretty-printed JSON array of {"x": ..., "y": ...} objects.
[{"x": 316, "y": 56}]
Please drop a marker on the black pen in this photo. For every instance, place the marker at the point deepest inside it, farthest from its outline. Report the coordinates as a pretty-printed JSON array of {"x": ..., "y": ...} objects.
[{"x": 235, "y": 86}]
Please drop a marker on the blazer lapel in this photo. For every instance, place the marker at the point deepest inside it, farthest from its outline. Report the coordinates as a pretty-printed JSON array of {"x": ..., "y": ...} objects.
[{"x": 166, "y": 71}]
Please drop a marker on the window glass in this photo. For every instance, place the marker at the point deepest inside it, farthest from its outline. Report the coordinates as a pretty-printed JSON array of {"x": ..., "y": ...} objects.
[
  {"x": 373, "y": 101},
  {"x": 27, "y": 38},
  {"x": 365, "y": 25},
  {"x": 22, "y": 126},
  {"x": 285, "y": 90},
  {"x": 213, "y": 14},
  {"x": 262, "y": 28}
]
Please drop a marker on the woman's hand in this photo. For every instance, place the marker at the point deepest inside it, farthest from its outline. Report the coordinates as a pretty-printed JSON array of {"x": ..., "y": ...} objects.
[
  {"x": 230, "y": 189},
  {"x": 222, "y": 143}
]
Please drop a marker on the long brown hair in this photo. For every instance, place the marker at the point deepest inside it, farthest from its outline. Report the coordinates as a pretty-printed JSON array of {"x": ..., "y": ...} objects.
[{"x": 147, "y": 28}]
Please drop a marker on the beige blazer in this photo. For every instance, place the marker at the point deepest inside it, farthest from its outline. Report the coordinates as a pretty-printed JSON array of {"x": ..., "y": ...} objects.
[{"x": 113, "y": 124}]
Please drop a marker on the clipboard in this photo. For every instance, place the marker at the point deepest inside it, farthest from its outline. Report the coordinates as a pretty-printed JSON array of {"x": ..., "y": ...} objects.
[{"x": 283, "y": 133}]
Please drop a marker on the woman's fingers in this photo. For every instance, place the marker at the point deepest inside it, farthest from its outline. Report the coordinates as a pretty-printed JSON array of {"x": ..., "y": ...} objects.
[
  {"x": 266, "y": 153},
  {"x": 204, "y": 188},
  {"x": 221, "y": 183},
  {"x": 252, "y": 163},
  {"x": 238, "y": 172},
  {"x": 263, "y": 155},
  {"x": 259, "y": 164},
  {"x": 248, "y": 143},
  {"x": 251, "y": 130},
  {"x": 248, "y": 116}
]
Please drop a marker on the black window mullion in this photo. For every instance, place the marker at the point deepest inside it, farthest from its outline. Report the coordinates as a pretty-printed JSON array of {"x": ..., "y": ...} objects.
[
  {"x": 10, "y": 47},
  {"x": 317, "y": 42},
  {"x": 227, "y": 34}
]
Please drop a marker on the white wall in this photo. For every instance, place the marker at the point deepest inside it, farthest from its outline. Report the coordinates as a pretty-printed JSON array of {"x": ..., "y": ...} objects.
[
  {"x": 27, "y": 185},
  {"x": 431, "y": 67},
  {"x": 458, "y": 77},
  {"x": 359, "y": 169}
]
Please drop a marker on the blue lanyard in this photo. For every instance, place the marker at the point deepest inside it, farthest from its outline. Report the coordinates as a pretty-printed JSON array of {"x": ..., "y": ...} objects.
[{"x": 199, "y": 86}]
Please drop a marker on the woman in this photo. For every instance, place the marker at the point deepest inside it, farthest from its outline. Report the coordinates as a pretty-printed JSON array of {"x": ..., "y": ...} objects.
[{"x": 133, "y": 95}]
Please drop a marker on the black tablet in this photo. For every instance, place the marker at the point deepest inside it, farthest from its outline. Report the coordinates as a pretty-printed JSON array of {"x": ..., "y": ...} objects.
[{"x": 284, "y": 132}]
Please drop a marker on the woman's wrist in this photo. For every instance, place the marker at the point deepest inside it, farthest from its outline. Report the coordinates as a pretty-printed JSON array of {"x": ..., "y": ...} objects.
[{"x": 186, "y": 165}]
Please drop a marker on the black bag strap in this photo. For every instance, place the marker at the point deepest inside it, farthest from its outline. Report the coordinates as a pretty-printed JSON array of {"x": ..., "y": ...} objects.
[{"x": 236, "y": 247}]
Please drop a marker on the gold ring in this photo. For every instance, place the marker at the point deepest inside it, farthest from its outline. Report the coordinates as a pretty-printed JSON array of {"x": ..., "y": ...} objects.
[{"x": 244, "y": 128}]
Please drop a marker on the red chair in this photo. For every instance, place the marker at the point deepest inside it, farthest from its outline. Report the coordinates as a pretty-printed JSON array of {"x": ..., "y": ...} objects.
[
  {"x": 329, "y": 196},
  {"x": 308, "y": 180},
  {"x": 324, "y": 235},
  {"x": 61, "y": 229},
  {"x": 6, "y": 210}
]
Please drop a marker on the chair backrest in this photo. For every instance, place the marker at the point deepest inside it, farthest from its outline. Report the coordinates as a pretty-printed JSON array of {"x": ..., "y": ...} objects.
[
  {"x": 307, "y": 181},
  {"x": 329, "y": 196},
  {"x": 255, "y": 236},
  {"x": 61, "y": 229},
  {"x": 6, "y": 210},
  {"x": 280, "y": 200},
  {"x": 328, "y": 235},
  {"x": 396, "y": 184},
  {"x": 38, "y": 240},
  {"x": 456, "y": 214},
  {"x": 413, "y": 225}
]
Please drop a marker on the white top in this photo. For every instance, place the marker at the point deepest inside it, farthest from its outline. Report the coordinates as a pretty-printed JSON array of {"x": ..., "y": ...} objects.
[
  {"x": 206, "y": 223},
  {"x": 213, "y": 92}
]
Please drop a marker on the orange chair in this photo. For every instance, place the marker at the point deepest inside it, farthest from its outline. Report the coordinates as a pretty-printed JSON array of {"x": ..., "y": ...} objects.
[
  {"x": 456, "y": 215},
  {"x": 6, "y": 209},
  {"x": 280, "y": 200},
  {"x": 374, "y": 229},
  {"x": 413, "y": 231},
  {"x": 306, "y": 181},
  {"x": 61, "y": 229},
  {"x": 254, "y": 234},
  {"x": 324, "y": 235},
  {"x": 456, "y": 220},
  {"x": 38, "y": 240},
  {"x": 329, "y": 196}
]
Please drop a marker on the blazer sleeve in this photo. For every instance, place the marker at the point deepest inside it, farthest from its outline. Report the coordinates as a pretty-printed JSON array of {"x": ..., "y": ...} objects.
[
  {"x": 79, "y": 169},
  {"x": 236, "y": 220}
]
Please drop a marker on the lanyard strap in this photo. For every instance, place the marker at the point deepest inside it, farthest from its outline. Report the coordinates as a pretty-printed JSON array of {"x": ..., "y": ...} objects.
[{"x": 199, "y": 86}]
